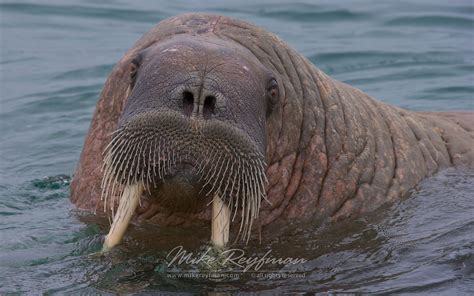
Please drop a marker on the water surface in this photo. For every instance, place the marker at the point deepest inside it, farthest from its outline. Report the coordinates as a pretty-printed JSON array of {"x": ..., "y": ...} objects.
[{"x": 55, "y": 57}]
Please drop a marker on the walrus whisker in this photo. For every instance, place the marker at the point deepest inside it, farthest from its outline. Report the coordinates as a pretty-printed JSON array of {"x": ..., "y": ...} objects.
[
  {"x": 118, "y": 157},
  {"x": 224, "y": 174},
  {"x": 117, "y": 166},
  {"x": 232, "y": 184},
  {"x": 140, "y": 160},
  {"x": 145, "y": 175},
  {"x": 168, "y": 158},
  {"x": 109, "y": 180},
  {"x": 104, "y": 189},
  {"x": 229, "y": 178},
  {"x": 114, "y": 182},
  {"x": 141, "y": 172},
  {"x": 237, "y": 193},
  {"x": 111, "y": 134},
  {"x": 203, "y": 164},
  {"x": 253, "y": 194},
  {"x": 149, "y": 179},
  {"x": 211, "y": 170},
  {"x": 108, "y": 188},
  {"x": 129, "y": 168},
  {"x": 128, "y": 159},
  {"x": 105, "y": 162},
  {"x": 153, "y": 158},
  {"x": 258, "y": 190},
  {"x": 154, "y": 162},
  {"x": 163, "y": 157},
  {"x": 116, "y": 143},
  {"x": 252, "y": 200},
  {"x": 113, "y": 141},
  {"x": 248, "y": 205},
  {"x": 231, "y": 171},
  {"x": 233, "y": 196},
  {"x": 262, "y": 167},
  {"x": 218, "y": 178},
  {"x": 244, "y": 196},
  {"x": 263, "y": 181},
  {"x": 214, "y": 168},
  {"x": 130, "y": 144},
  {"x": 256, "y": 201},
  {"x": 134, "y": 165},
  {"x": 158, "y": 163},
  {"x": 149, "y": 175},
  {"x": 173, "y": 157}
]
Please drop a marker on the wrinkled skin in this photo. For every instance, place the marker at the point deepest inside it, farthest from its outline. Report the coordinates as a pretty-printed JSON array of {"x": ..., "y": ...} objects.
[{"x": 331, "y": 150}]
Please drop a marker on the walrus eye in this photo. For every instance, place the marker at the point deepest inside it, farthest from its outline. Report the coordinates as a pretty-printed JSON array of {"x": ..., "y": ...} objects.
[
  {"x": 272, "y": 95},
  {"x": 134, "y": 69}
]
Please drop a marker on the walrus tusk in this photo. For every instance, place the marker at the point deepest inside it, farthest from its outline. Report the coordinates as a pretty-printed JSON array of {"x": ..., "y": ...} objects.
[
  {"x": 128, "y": 204},
  {"x": 220, "y": 222}
]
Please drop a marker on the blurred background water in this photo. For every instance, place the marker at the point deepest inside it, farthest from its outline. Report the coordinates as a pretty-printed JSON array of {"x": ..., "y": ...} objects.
[{"x": 55, "y": 57}]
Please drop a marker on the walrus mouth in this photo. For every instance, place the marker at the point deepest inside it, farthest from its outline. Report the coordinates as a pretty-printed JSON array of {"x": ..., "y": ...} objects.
[{"x": 151, "y": 145}]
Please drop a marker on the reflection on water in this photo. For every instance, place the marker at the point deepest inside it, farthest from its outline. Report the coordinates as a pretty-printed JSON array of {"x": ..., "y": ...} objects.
[{"x": 55, "y": 57}]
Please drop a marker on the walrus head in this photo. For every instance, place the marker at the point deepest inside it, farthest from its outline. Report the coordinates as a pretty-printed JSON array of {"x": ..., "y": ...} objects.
[{"x": 193, "y": 126}]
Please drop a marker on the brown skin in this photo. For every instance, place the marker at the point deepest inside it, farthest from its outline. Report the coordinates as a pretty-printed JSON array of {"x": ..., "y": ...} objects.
[{"x": 332, "y": 151}]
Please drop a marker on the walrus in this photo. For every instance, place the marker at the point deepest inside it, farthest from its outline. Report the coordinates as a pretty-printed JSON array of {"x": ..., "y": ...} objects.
[{"x": 207, "y": 109}]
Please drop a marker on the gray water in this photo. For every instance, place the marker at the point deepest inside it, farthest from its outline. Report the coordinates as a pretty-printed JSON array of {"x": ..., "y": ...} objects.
[{"x": 55, "y": 57}]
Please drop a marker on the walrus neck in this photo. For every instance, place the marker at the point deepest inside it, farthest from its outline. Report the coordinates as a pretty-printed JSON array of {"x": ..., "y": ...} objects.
[{"x": 367, "y": 152}]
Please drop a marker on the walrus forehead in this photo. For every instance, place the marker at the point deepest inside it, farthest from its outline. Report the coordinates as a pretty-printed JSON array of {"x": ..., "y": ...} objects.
[{"x": 185, "y": 49}]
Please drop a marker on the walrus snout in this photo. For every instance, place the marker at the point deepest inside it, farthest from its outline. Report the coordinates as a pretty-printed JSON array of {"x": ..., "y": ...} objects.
[
  {"x": 181, "y": 162},
  {"x": 204, "y": 108}
]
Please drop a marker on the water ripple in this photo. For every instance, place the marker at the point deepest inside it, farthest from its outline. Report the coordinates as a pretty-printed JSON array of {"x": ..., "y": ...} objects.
[
  {"x": 83, "y": 12},
  {"x": 433, "y": 21},
  {"x": 316, "y": 15}
]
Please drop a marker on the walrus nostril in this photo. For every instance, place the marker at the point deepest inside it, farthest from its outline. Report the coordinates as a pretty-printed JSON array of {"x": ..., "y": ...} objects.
[
  {"x": 209, "y": 106},
  {"x": 188, "y": 102}
]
